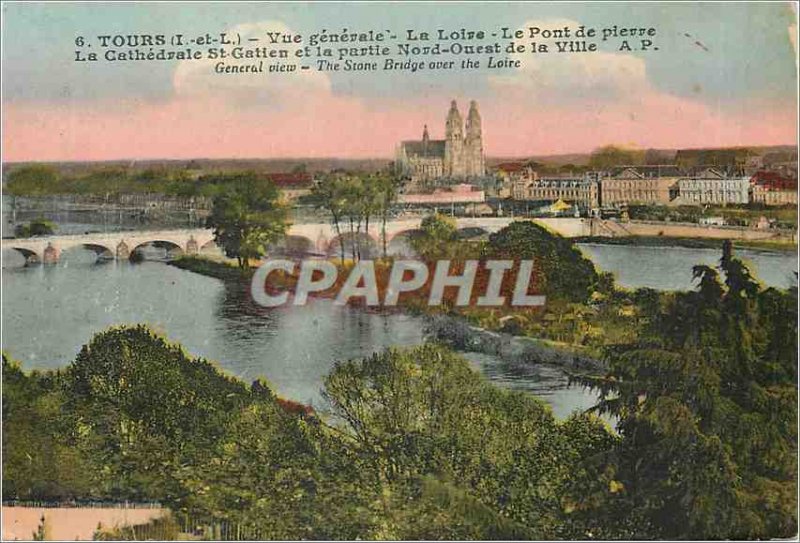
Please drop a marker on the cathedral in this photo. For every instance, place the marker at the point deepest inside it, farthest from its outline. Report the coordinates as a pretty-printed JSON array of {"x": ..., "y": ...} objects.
[{"x": 458, "y": 157}]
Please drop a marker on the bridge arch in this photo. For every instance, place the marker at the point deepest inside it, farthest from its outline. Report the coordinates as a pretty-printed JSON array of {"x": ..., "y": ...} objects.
[
  {"x": 362, "y": 242},
  {"x": 171, "y": 249},
  {"x": 296, "y": 245},
  {"x": 400, "y": 243},
  {"x": 100, "y": 251},
  {"x": 209, "y": 245},
  {"x": 30, "y": 256}
]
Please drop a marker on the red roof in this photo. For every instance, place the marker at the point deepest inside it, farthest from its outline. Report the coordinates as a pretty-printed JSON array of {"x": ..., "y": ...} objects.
[
  {"x": 773, "y": 181},
  {"x": 290, "y": 180}
]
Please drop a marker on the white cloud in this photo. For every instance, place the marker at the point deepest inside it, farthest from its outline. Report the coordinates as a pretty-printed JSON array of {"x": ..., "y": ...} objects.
[{"x": 554, "y": 77}]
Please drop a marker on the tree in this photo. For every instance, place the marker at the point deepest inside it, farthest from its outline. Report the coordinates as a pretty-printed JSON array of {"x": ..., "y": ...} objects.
[
  {"x": 40, "y": 460},
  {"x": 439, "y": 233},
  {"x": 387, "y": 189},
  {"x": 460, "y": 457},
  {"x": 35, "y": 180},
  {"x": 707, "y": 404},
  {"x": 561, "y": 269},
  {"x": 38, "y": 227},
  {"x": 247, "y": 217},
  {"x": 332, "y": 196},
  {"x": 355, "y": 200},
  {"x": 145, "y": 407}
]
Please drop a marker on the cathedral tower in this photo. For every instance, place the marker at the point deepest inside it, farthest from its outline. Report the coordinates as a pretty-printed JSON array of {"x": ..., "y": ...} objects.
[
  {"x": 454, "y": 143},
  {"x": 473, "y": 144}
]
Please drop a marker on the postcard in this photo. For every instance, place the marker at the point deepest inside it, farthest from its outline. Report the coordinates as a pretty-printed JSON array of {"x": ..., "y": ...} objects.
[{"x": 399, "y": 270}]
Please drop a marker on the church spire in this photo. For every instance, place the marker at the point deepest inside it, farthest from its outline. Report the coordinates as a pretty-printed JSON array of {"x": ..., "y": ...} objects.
[
  {"x": 473, "y": 121},
  {"x": 454, "y": 127},
  {"x": 473, "y": 151}
]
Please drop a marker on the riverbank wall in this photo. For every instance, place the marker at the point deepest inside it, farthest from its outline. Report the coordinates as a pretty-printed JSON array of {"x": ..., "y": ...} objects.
[{"x": 603, "y": 228}]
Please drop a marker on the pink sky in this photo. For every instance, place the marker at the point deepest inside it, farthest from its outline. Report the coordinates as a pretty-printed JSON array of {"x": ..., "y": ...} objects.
[
  {"x": 341, "y": 127},
  {"x": 730, "y": 93}
]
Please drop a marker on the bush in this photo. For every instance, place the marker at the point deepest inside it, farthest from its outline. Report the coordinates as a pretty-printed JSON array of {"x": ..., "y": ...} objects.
[{"x": 561, "y": 269}]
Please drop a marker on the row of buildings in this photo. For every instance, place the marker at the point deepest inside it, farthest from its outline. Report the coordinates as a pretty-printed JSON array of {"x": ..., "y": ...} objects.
[
  {"x": 658, "y": 184},
  {"x": 438, "y": 170}
]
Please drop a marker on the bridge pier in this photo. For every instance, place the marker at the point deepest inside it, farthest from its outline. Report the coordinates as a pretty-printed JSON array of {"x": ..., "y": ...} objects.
[
  {"x": 50, "y": 255},
  {"x": 191, "y": 246},
  {"x": 322, "y": 242},
  {"x": 123, "y": 251}
]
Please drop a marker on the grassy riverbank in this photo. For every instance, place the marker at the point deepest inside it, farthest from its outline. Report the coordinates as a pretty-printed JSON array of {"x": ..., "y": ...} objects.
[{"x": 219, "y": 268}]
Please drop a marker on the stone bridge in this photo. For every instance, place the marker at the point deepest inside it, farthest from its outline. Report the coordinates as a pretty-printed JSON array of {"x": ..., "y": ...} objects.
[{"x": 314, "y": 238}]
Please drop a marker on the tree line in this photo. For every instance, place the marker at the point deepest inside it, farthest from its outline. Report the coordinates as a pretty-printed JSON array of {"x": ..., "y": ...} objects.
[{"x": 353, "y": 201}]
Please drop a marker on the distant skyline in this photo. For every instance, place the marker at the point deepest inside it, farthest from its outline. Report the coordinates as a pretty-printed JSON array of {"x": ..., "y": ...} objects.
[{"x": 725, "y": 75}]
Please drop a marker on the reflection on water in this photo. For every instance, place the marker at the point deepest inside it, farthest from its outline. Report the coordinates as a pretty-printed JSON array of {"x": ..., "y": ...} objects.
[
  {"x": 50, "y": 312},
  {"x": 546, "y": 382}
]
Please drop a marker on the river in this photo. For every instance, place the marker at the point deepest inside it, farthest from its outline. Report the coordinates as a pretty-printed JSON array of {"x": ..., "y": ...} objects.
[
  {"x": 670, "y": 268},
  {"x": 49, "y": 312}
]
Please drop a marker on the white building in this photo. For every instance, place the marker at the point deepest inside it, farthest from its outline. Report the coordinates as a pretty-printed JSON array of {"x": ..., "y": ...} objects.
[{"x": 707, "y": 190}]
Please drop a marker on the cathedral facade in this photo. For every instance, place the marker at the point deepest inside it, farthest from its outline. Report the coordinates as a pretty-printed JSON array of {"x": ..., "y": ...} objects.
[{"x": 459, "y": 156}]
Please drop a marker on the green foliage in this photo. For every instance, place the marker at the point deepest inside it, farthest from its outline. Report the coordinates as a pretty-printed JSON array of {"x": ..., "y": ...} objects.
[
  {"x": 430, "y": 450},
  {"x": 561, "y": 271},
  {"x": 424, "y": 413},
  {"x": 38, "y": 227},
  {"x": 144, "y": 406},
  {"x": 353, "y": 200},
  {"x": 432, "y": 509},
  {"x": 36, "y": 180},
  {"x": 38, "y": 462},
  {"x": 42, "y": 180},
  {"x": 439, "y": 235},
  {"x": 247, "y": 217},
  {"x": 735, "y": 215},
  {"x": 417, "y": 445},
  {"x": 707, "y": 403}
]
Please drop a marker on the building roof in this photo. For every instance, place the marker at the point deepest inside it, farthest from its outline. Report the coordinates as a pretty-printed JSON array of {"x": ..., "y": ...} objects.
[
  {"x": 646, "y": 172},
  {"x": 707, "y": 172},
  {"x": 773, "y": 181},
  {"x": 418, "y": 148}
]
